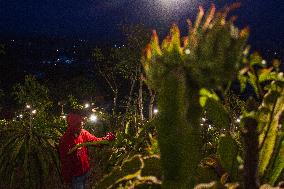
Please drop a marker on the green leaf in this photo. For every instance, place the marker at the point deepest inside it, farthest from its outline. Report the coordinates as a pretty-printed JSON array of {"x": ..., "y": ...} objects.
[
  {"x": 243, "y": 82},
  {"x": 87, "y": 144},
  {"x": 205, "y": 94},
  {"x": 278, "y": 166},
  {"x": 217, "y": 113},
  {"x": 268, "y": 115},
  {"x": 253, "y": 81},
  {"x": 130, "y": 169},
  {"x": 227, "y": 151},
  {"x": 255, "y": 59},
  {"x": 267, "y": 76}
]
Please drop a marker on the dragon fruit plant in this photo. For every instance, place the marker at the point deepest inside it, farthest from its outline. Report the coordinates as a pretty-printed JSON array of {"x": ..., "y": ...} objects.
[{"x": 177, "y": 69}]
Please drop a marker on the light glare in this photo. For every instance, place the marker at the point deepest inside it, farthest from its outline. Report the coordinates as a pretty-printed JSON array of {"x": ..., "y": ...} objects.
[
  {"x": 187, "y": 51},
  {"x": 93, "y": 118},
  {"x": 155, "y": 111}
]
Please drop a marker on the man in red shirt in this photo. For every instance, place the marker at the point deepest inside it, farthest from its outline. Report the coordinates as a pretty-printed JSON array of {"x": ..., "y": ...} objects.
[{"x": 75, "y": 166}]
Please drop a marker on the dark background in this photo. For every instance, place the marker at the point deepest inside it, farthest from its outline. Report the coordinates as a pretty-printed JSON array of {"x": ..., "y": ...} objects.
[
  {"x": 100, "y": 20},
  {"x": 53, "y": 39}
]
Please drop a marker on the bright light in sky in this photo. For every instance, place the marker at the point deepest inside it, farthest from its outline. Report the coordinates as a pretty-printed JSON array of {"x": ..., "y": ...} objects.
[
  {"x": 168, "y": 2},
  {"x": 180, "y": 4},
  {"x": 172, "y": 10}
]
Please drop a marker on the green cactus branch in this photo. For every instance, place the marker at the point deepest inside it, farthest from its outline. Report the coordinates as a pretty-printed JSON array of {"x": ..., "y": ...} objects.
[
  {"x": 103, "y": 142},
  {"x": 139, "y": 170},
  {"x": 177, "y": 70},
  {"x": 269, "y": 116}
]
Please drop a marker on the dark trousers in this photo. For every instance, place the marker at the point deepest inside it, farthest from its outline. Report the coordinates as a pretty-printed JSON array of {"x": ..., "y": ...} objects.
[{"x": 78, "y": 182}]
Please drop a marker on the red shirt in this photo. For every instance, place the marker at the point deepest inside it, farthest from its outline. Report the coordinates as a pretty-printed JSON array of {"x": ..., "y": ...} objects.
[{"x": 77, "y": 163}]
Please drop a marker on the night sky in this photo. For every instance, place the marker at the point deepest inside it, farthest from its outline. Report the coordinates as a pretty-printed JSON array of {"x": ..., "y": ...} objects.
[{"x": 101, "y": 19}]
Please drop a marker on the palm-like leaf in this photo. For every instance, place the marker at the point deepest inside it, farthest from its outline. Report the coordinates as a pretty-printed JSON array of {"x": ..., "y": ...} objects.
[{"x": 27, "y": 156}]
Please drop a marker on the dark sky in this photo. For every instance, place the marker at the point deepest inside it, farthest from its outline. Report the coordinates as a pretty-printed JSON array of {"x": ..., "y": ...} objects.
[{"x": 100, "y": 19}]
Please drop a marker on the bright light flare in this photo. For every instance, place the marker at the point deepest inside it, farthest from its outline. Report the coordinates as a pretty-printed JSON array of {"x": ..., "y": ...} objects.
[
  {"x": 34, "y": 112},
  {"x": 155, "y": 111},
  {"x": 87, "y": 105},
  {"x": 93, "y": 118},
  {"x": 187, "y": 51},
  {"x": 179, "y": 5}
]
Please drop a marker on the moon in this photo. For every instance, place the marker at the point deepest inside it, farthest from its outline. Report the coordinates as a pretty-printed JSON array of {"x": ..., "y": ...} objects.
[{"x": 176, "y": 8}]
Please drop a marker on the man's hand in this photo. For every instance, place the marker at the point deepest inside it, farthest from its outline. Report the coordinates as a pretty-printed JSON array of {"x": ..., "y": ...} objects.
[{"x": 110, "y": 136}]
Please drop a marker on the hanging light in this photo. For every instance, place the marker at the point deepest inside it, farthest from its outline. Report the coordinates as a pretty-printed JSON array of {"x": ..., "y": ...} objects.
[
  {"x": 155, "y": 111},
  {"x": 63, "y": 116},
  {"x": 87, "y": 105},
  {"x": 93, "y": 118},
  {"x": 238, "y": 120},
  {"x": 187, "y": 51}
]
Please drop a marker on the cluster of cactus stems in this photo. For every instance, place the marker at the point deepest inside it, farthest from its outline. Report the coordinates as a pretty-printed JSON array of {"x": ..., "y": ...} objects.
[
  {"x": 270, "y": 137},
  {"x": 263, "y": 139},
  {"x": 207, "y": 58}
]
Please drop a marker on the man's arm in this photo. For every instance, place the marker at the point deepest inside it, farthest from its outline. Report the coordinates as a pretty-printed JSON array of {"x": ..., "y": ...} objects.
[{"x": 88, "y": 137}]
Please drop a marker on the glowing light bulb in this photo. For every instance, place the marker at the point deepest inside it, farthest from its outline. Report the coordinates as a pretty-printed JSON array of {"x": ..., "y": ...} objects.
[
  {"x": 87, "y": 105},
  {"x": 155, "y": 111},
  {"x": 187, "y": 51},
  {"x": 93, "y": 118}
]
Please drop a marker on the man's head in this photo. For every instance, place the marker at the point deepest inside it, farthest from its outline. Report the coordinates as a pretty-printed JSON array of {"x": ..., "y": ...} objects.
[{"x": 75, "y": 123}]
